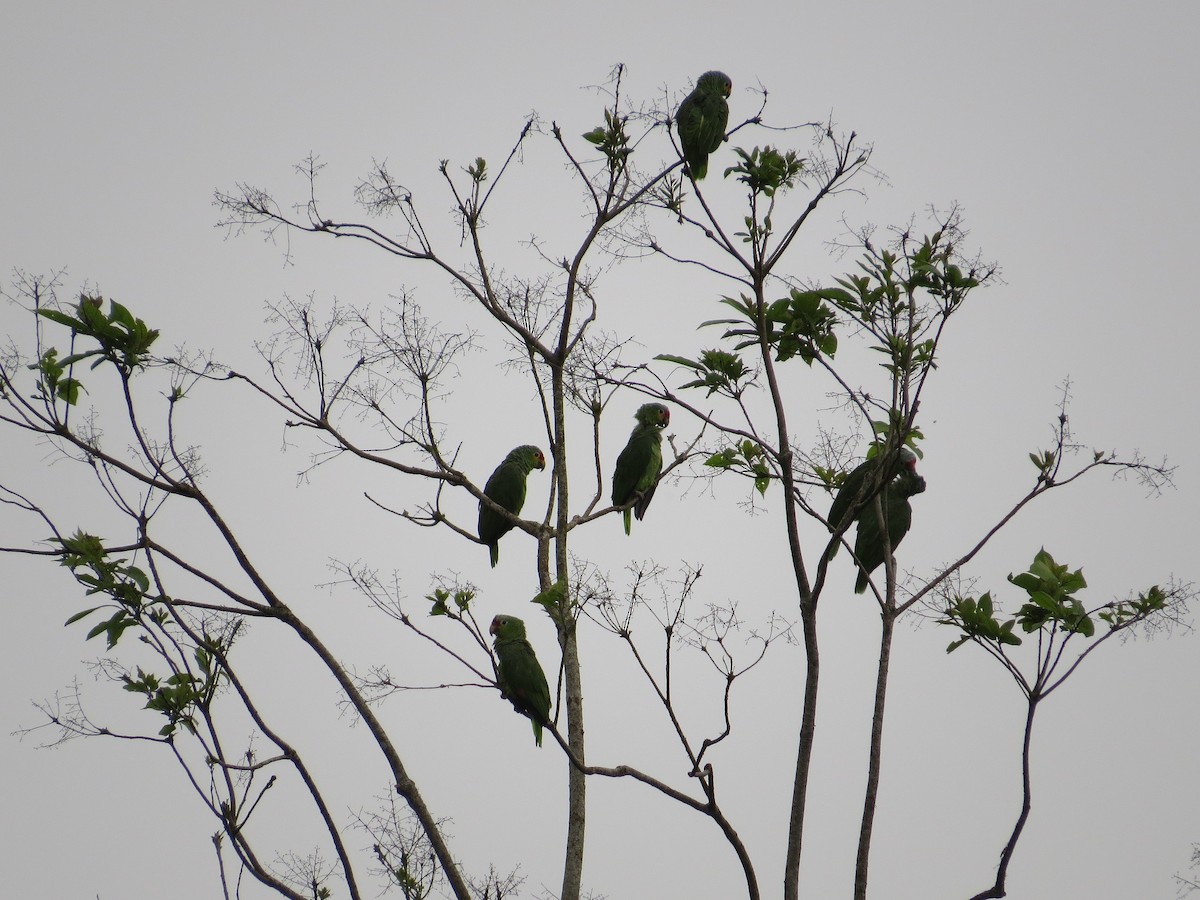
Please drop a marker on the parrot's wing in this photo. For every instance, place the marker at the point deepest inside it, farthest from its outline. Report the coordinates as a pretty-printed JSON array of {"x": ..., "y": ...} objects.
[
  {"x": 701, "y": 121},
  {"x": 690, "y": 123},
  {"x": 523, "y": 682},
  {"x": 714, "y": 118},
  {"x": 648, "y": 483},
  {"x": 643, "y": 503},
  {"x": 507, "y": 488},
  {"x": 638, "y": 466},
  {"x": 631, "y": 466},
  {"x": 848, "y": 492},
  {"x": 869, "y": 545}
]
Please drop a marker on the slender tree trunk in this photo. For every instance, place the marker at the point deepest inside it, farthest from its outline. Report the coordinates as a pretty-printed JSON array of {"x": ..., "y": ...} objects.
[
  {"x": 567, "y": 641},
  {"x": 808, "y": 729},
  {"x": 808, "y": 609},
  {"x": 888, "y": 623},
  {"x": 998, "y": 889},
  {"x": 577, "y": 781}
]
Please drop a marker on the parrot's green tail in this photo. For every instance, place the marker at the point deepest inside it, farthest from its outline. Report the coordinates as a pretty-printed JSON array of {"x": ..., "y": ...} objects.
[
  {"x": 494, "y": 552},
  {"x": 860, "y": 586},
  {"x": 628, "y": 514},
  {"x": 537, "y": 731}
]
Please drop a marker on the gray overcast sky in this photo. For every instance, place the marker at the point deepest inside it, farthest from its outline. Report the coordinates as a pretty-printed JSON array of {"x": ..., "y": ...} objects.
[{"x": 1067, "y": 132}]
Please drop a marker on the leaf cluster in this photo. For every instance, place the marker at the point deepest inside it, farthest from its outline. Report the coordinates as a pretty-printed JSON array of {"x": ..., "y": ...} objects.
[
  {"x": 719, "y": 372},
  {"x": 747, "y": 457},
  {"x": 1124, "y": 611},
  {"x": 54, "y": 380},
  {"x": 930, "y": 268},
  {"x": 765, "y": 170},
  {"x": 85, "y": 556},
  {"x": 124, "y": 340},
  {"x": 176, "y": 697},
  {"x": 800, "y": 324},
  {"x": 912, "y": 436},
  {"x": 1050, "y": 587},
  {"x": 891, "y": 279},
  {"x": 978, "y": 621},
  {"x": 440, "y": 598},
  {"x": 555, "y": 600},
  {"x": 611, "y": 139}
]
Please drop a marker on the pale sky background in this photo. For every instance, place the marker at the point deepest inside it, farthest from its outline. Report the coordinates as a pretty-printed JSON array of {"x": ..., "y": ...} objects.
[{"x": 1066, "y": 131}]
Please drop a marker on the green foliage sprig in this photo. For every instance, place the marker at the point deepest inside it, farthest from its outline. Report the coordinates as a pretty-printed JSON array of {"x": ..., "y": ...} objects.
[{"x": 123, "y": 339}]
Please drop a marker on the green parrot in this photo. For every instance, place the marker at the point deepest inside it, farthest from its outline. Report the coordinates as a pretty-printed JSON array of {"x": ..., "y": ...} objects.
[
  {"x": 506, "y": 486},
  {"x": 520, "y": 676},
  {"x": 701, "y": 120},
  {"x": 639, "y": 465},
  {"x": 855, "y": 484},
  {"x": 897, "y": 513}
]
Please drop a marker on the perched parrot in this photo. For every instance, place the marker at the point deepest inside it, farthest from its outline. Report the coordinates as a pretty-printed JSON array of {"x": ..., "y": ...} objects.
[
  {"x": 897, "y": 513},
  {"x": 520, "y": 676},
  {"x": 506, "y": 486},
  {"x": 701, "y": 120},
  {"x": 639, "y": 465},
  {"x": 857, "y": 481}
]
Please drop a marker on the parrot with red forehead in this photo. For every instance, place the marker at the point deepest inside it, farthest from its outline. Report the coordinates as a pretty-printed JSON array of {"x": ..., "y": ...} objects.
[
  {"x": 506, "y": 486},
  {"x": 640, "y": 463},
  {"x": 519, "y": 674}
]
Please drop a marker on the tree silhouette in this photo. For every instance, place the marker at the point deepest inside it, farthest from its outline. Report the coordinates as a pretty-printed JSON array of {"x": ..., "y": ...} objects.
[{"x": 378, "y": 389}]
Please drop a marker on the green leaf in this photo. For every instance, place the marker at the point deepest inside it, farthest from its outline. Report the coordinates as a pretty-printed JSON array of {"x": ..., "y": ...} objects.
[
  {"x": 61, "y": 318},
  {"x": 1026, "y": 581},
  {"x": 478, "y": 170},
  {"x": 68, "y": 390},
  {"x": 722, "y": 459},
  {"x": 1085, "y": 626},
  {"x": 99, "y": 629},
  {"x": 77, "y": 357},
  {"x": 139, "y": 578},
  {"x": 679, "y": 360},
  {"x": 553, "y": 597},
  {"x": 1044, "y": 600},
  {"x": 954, "y": 645},
  {"x": 118, "y": 313},
  {"x": 438, "y": 598},
  {"x": 554, "y": 600},
  {"x": 81, "y": 615}
]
